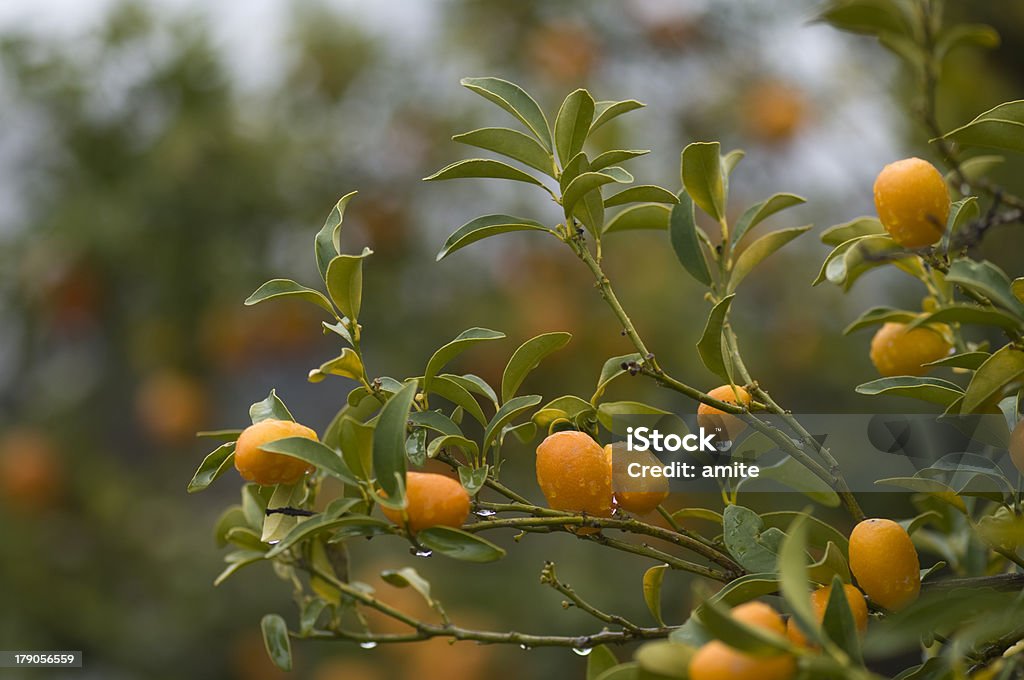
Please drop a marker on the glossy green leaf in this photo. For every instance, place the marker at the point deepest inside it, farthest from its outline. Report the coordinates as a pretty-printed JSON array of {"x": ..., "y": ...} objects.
[
  {"x": 819, "y": 533},
  {"x": 407, "y": 577},
  {"x": 213, "y": 466},
  {"x": 652, "y": 581},
  {"x": 731, "y": 160},
  {"x": 935, "y": 390},
  {"x": 753, "y": 545},
  {"x": 611, "y": 370},
  {"x": 482, "y": 168},
  {"x": 876, "y": 316},
  {"x": 459, "y": 545},
  {"x": 605, "y": 111},
  {"x": 484, "y": 227},
  {"x": 747, "y": 588},
  {"x": 850, "y": 260},
  {"x": 321, "y": 523},
  {"x": 460, "y": 344},
  {"x": 988, "y": 280},
  {"x": 476, "y": 385},
  {"x": 572, "y": 124},
  {"x": 793, "y": 475},
  {"x": 435, "y": 420},
  {"x": 682, "y": 227},
  {"x": 1001, "y": 127},
  {"x": 356, "y": 442},
  {"x": 838, "y": 623},
  {"x": 276, "y": 526},
  {"x": 510, "y": 143},
  {"x": 757, "y": 251},
  {"x": 642, "y": 216},
  {"x": 233, "y": 517},
  {"x": 346, "y": 365},
  {"x": 998, "y": 371},
  {"x": 526, "y": 358},
  {"x": 933, "y": 487},
  {"x": 583, "y": 184},
  {"x": 664, "y": 659},
  {"x": 276, "y": 288},
  {"x": 761, "y": 211},
  {"x": 473, "y": 479},
  {"x": 516, "y": 101},
  {"x": 509, "y": 410},
  {"x": 961, "y": 213},
  {"x": 1017, "y": 288},
  {"x": 971, "y": 314},
  {"x": 236, "y": 560},
  {"x": 862, "y": 226},
  {"x": 271, "y": 408},
  {"x": 711, "y": 346},
  {"x": 314, "y": 453},
  {"x": 831, "y": 564},
  {"x": 447, "y": 388},
  {"x": 389, "y": 461},
  {"x": 524, "y": 432},
  {"x": 969, "y": 360},
  {"x": 616, "y": 416},
  {"x": 276, "y": 641},
  {"x": 615, "y": 157},
  {"x": 453, "y": 440},
  {"x": 794, "y": 579},
  {"x": 345, "y": 282},
  {"x": 624, "y": 671},
  {"x": 869, "y": 17},
  {"x": 601, "y": 660},
  {"x": 966, "y": 35},
  {"x": 328, "y": 240},
  {"x": 642, "y": 193},
  {"x": 702, "y": 177},
  {"x": 416, "y": 446},
  {"x": 753, "y": 640}
]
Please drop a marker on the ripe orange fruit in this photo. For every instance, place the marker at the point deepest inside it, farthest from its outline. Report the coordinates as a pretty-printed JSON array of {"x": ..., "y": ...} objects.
[
  {"x": 639, "y": 495},
  {"x": 718, "y": 661},
  {"x": 31, "y": 474},
  {"x": 574, "y": 474},
  {"x": 774, "y": 111},
  {"x": 819, "y": 603},
  {"x": 912, "y": 202},
  {"x": 884, "y": 561},
  {"x": 171, "y": 407},
  {"x": 264, "y": 467},
  {"x": 716, "y": 420},
  {"x": 1017, "y": 446},
  {"x": 430, "y": 500},
  {"x": 897, "y": 351}
]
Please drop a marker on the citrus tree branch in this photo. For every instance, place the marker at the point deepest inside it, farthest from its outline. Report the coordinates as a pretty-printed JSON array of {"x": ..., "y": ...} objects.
[{"x": 549, "y": 577}]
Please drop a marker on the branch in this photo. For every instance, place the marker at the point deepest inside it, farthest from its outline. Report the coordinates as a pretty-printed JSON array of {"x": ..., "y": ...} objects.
[{"x": 548, "y": 577}]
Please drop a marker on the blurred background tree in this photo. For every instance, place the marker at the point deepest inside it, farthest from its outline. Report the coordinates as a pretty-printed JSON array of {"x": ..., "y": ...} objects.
[{"x": 160, "y": 160}]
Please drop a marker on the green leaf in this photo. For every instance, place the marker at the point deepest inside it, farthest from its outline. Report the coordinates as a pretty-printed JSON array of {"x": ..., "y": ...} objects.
[
  {"x": 750, "y": 639},
  {"x": 459, "y": 545},
  {"x": 276, "y": 288},
  {"x": 314, "y": 525},
  {"x": 601, "y": 660},
  {"x": 759, "y": 212},
  {"x": 972, "y": 314},
  {"x": 572, "y": 124},
  {"x": 347, "y": 365},
  {"x": 610, "y": 412},
  {"x": 212, "y": 467},
  {"x": 460, "y": 344},
  {"x": 611, "y": 370},
  {"x": 1017, "y": 288},
  {"x": 435, "y": 420},
  {"x": 929, "y": 486},
  {"x": 838, "y": 623},
  {"x": 457, "y": 440},
  {"x": 653, "y": 578},
  {"x": 876, "y": 316},
  {"x": 702, "y": 177},
  {"x": 516, "y": 101},
  {"x": 236, "y": 560},
  {"x": 988, "y": 280},
  {"x": 389, "y": 459},
  {"x": 998, "y": 371},
  {"x": 526, "y": 358},
  {"x": 484, "y": 227},
  {"x": 862, "y": 226},
  {"x": 231, "y": 518},
  {"x": 963, "y": 35},
  {"x": 407, "y": 577},
  {"x": 757, "y": 251},
  {"x": 643, "y": 216},
  {"x": 447, "y": 388},
  {"x": 961, "y": 213},
  {"x": 605, "y": 111},
  {"x": 615, "y": 157},
  {"x": 935, "y": 390},
  {"x": 328, "y": 240},
  {"x": 970, "y": 360},
  {"x": 747, "y": 588},
  {"x": 510, "y": 143},
  {"x": 624, "y": 671},
  {"x": 582, "y": 185},
  {"x": 682, "y": 228},
  {"x": 819, "y": 533},
  {"x": 850, "y": 260},
  {"x": 345, "y": 282},
  {"x": 276, "y": 640},
  {"x": 483, "y": 168},
  {"x": 276, "y": 526},
  {"x": 869, "y": 17},
  {"x": 356, "y": 443},
  {"x": 473, "y": 479},
  {"x": 665, "y": 660},
  {"x": 476, "y": 385},
  {"x": 509, "y": 410},
  {"x": 416, "y": 446},
  {"x": 711, "y": 346},
  {"x": 271, "y": 408},
  {"x": 753, "y": 545},
  {"x": 796, "y": 476},
  {"x": 793, "y": 578},
  {"x": 1001, "y": 127},
  {"x": 832, "y": 564},
  {"x": 524, "y": 432},
  {"x": 731, "y": 160},
  {"x": 314, "y": 453},
  {"x": 642, "y": 193}
]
